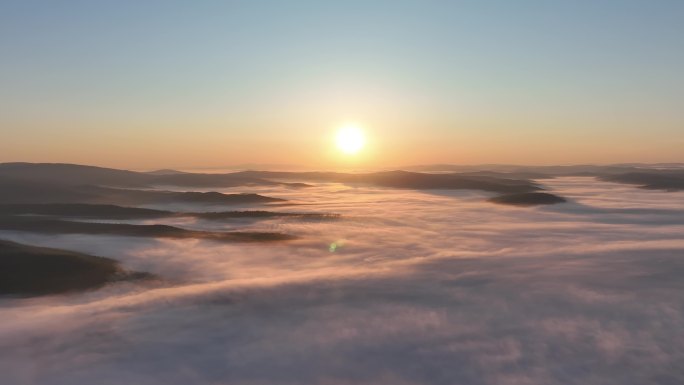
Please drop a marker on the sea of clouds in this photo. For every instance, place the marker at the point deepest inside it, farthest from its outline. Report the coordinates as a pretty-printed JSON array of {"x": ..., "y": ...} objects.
[{"x": 408, "y": 287}]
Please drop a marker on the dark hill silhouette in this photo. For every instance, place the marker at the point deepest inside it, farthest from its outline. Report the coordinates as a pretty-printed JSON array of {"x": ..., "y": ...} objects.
[
  {"x": 138, "y": 197},
  {"x": 66, "y": 174},
  {"x": 671, "y": 180},
  {"x": 535, "y": 172},
  {"x": 209, "y": 180},
  {"x": 56, "y": 226},
  {"x": 508, "y": 175},
  {"x": 73, "y": 174},
  {"x": 94, "y": 211},
  {"x": 528, "y": 199},
  {"x": 13, "y": 190},
  {"x": 164, "y": 171},
  {"x": 80, "y": 210},
  {"x": 259, "y": 214},
  {"x": 29, "y": 270},
  {"x": 406, "y": 179}
]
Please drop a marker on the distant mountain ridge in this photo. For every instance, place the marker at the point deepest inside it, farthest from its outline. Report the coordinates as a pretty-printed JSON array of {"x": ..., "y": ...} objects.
[
  {"x": 505, "y": 179},
  {"x": 64, "y": 173},
  {"x": 69, "y": 174},
  {"x": 165, "y": 171},
  {"x": 17, "y": 190}
]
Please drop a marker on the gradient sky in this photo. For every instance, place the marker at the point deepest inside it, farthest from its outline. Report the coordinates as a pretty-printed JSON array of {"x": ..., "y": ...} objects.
[{"x": 148, "y": 84}]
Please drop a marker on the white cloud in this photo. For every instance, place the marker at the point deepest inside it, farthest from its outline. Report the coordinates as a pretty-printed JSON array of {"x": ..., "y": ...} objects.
[{"x": 427, "y": 288}]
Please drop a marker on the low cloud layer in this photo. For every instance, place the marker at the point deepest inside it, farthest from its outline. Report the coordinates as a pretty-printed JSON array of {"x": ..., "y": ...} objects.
[{"x": 420, "y": 288}]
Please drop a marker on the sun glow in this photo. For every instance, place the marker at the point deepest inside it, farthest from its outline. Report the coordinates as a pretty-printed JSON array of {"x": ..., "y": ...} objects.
[{"x": 350, "y": 139}]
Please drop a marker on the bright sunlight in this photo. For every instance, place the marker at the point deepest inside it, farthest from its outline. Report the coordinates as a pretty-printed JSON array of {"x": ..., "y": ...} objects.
[{"x": 350, "y": 139}]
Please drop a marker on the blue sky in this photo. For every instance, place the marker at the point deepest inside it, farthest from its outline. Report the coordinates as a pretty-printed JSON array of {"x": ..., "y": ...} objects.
[{"x": 500, "y": 81}]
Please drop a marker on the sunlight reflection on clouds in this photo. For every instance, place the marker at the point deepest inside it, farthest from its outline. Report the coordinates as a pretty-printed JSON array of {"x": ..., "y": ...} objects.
[{"x": 422, "y": 288}]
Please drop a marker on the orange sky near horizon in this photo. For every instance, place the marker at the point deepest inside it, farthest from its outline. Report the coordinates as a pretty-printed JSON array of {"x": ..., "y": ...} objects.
[
  {"x": 382, "y": 150},
  {"x": 140, "y": 85}
]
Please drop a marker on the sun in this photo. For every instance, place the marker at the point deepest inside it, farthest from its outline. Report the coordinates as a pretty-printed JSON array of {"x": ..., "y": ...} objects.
[{"x": 350, "y": 139}]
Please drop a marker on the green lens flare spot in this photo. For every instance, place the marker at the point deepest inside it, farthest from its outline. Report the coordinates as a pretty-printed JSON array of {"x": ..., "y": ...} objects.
[{"x": 336, "y": 245}]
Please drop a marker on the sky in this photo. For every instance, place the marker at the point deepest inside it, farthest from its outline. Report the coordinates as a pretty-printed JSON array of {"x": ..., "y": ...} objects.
[{"x": 152, "y": 84}]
